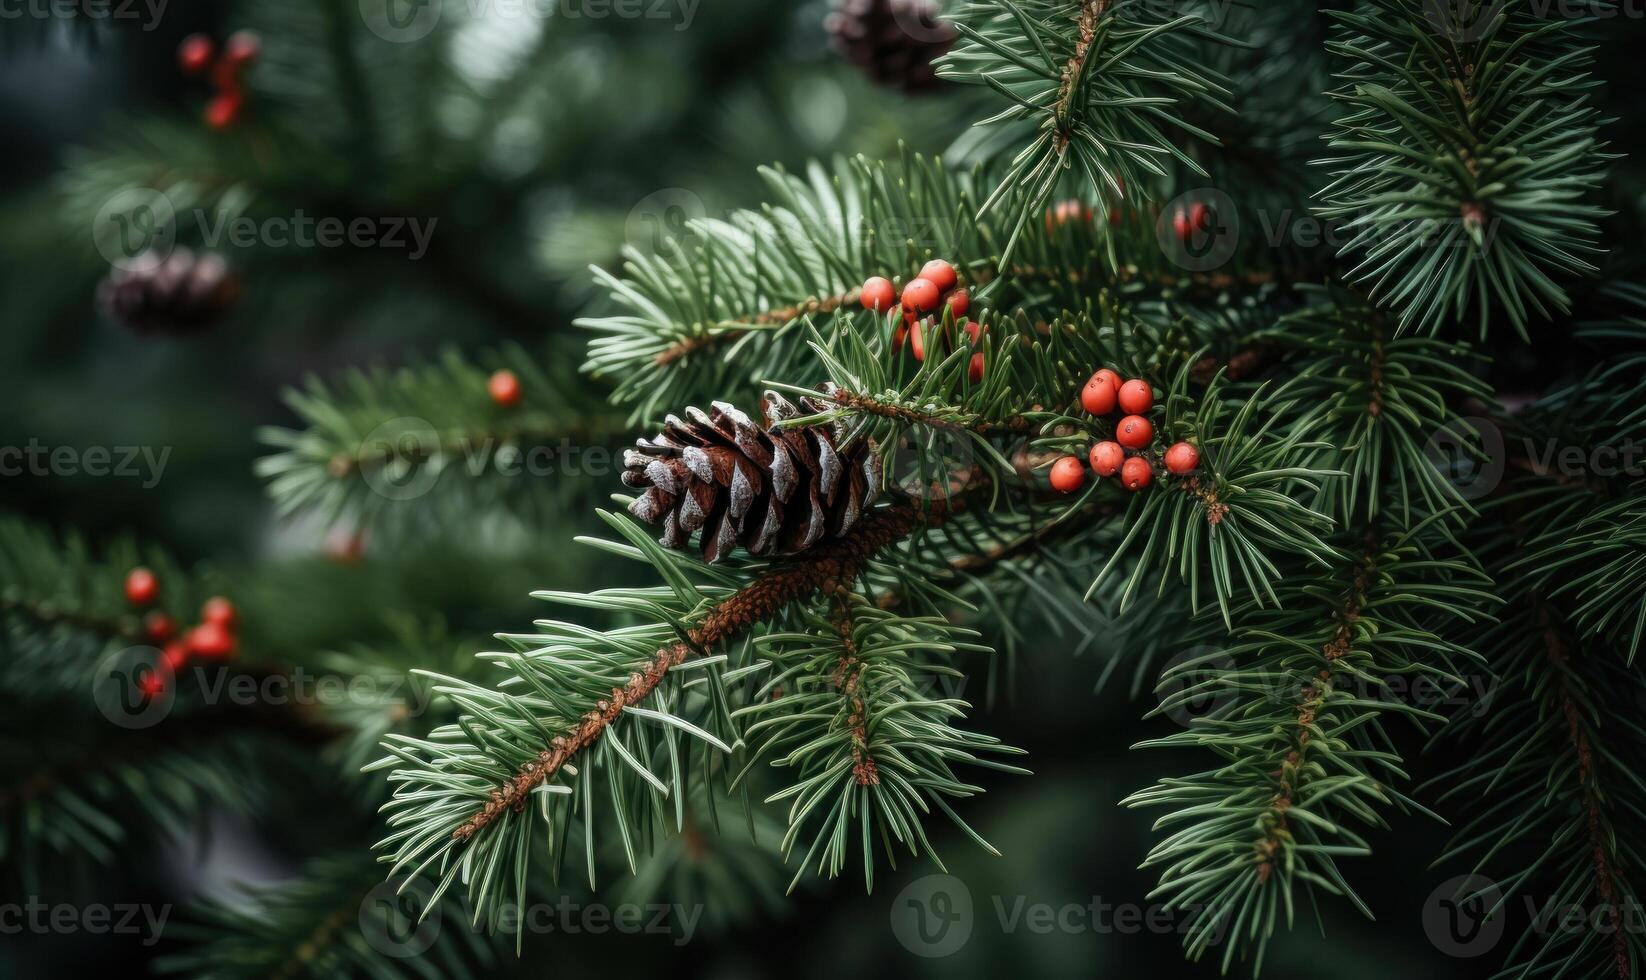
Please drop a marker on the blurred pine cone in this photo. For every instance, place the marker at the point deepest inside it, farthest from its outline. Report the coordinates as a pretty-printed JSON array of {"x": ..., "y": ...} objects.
[
  {"x": 894, "y": 41},
  {"x": 772, "y": 490},
  {"x": 182, "y": 292}
]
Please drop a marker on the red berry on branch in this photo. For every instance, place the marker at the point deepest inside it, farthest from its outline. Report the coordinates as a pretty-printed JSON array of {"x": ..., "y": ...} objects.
[
  {"x": 224, "y": 109},
  {"x": 940, "y": 274},
  {"x": 974, "y": 332},
  {"x": 504, "y": 388},
  {"x": 1136, "y": 474},
  {"x": 921, "y": 295},
  {"x": 900, "y": 334},
  {"x": 1098, "y": 397},
  {"x": 1182, "y": 459},
  {"x": 879, "y": 294},
  {"x": 1107, "y": 458},
  {"x": 242, "y": 48},
  {"x": 152, "y": 684},
  {"x": 220, "y": 611},
  {"x": 212, "y": 640},
  {"x": 959, "y": 302},
  {"x": 1136, "y": 397},
  {"x": 917, "y": 340},
  {"x": 1134, "y": 432},
  {"x": 159, "y": 627},
  {"x": 1068, "y": 474},
  {"x": 194, "y": 54},
  {"x": 975, "y": 369},
  {"x": 1113, "y": 377},
  {"x": 1066, "y": 211},
  {"x": 174, "y": 657},
  {"x": 142, "y": 587},
  {"x": 1200, "y": 217}
]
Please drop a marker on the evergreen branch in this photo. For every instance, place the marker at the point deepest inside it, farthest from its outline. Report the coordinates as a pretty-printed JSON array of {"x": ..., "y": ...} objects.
[
  {"x": 1469, "y": 157},
  {"x": 827, "y": 567}
]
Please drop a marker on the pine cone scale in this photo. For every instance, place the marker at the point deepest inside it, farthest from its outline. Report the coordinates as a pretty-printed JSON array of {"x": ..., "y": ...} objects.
[{"x": 771, "y": 489}]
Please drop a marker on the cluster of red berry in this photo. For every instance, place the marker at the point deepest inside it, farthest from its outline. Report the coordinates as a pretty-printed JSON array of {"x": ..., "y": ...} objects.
[
  {"x": 1188, "y": 220},
  {"x": 937, "y": 287},
  {"x": 1101, "y": 396},
  {"x": 214, "y": 638},
  {"x": 196, "y": 55},
  {"x": 504, "y": 388}
]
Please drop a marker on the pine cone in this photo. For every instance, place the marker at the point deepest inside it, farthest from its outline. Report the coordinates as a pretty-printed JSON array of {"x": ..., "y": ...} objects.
[
  {"x": 774, "y": 491},
  {"x": 177, "y": 293},
  {"x": 894, "y": 41}
]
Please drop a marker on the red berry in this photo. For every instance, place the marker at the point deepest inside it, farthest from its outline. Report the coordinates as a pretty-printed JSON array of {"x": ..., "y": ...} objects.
[
  {"x": 1136, "y": 397},
  {"x": 1134, "y": 432},
  {"x": 1200, "y": 217},
  {"x": 1136, "y": 474},
  {"x": 224, "y": 109},
  {"x": 220, "y": 611},
  {"x": 242, "y": 48},
  {"x": 194, "y": 54},
  {"x": 879, "y": 294},
  {"x": 211, "y": 640},
  {"x": 1180, "y": 224},
  {"x": 900, "y": 333},
  {"x": 1068, "y": 474},
  {"x": 1114, "y": 378},
  {"x": 959, "y": 302},
  {"x": 917, "y": 340},
  {"x": 921, "y": 295},
  {"x": 940, "y": 274},
  {"x": 1065, "y": 212},
  {"x": 1107, "y": 458},
  {"x": 142, "y": 587},
  {"x": 152, "y": 684},
  {"x": 1182, "y": 459},
  {"x": 175, "y": 657},
  {"x": 1098, "y": 397},
  {"x": 159, "y": 627},
  {"x": 974, "y": 332},
  {"x": 975, "y": 368},
  {"x": 504, "y": 388}
]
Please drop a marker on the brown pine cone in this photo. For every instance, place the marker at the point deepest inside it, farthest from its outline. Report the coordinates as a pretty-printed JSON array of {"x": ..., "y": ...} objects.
[
  {"x": 179, "y": 293},
  {"x": 771, "y": 490},
  {"x": 894, "y": 41}
]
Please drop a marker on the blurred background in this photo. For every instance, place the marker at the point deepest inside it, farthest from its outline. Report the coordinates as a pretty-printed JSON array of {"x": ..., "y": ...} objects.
[{"x": 529, "y": 140}]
